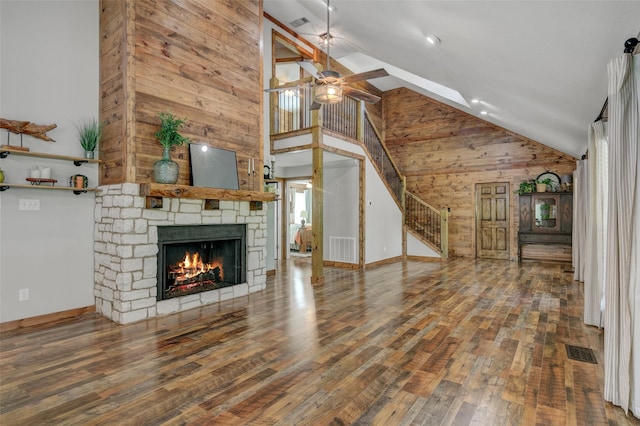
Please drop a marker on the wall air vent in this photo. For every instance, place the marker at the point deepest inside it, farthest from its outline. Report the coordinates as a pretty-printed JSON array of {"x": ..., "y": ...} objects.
[{"x": 299, "y": 22}]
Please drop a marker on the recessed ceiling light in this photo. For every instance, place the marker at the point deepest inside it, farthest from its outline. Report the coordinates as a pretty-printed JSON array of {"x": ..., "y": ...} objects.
[
  {"x": 475, "y": 101},
  {"x": 484, "y": 112},
  {"x": 433, "y": 39}
]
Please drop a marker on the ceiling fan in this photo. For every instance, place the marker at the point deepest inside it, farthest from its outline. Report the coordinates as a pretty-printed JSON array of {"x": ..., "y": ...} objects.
[{"x": 330, "y": 85}]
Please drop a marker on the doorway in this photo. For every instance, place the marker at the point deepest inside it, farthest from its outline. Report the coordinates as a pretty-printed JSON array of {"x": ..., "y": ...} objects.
[
  {"x": 299, "y": 233},
  {"x": 492, "y": 220}
]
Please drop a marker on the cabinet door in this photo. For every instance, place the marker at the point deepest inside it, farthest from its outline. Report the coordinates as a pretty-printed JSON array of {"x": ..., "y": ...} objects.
[
  {"x": 545, "y": 209},
  {"x": 525, "y": 212}
]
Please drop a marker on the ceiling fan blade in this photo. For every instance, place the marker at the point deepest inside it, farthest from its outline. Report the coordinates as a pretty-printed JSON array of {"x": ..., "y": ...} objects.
[
  {"x": 360, "y": 94},
  {"x": 367, "y": 75},
  {"x": 290, "y": 85},
  {"x": 315, "y": 106},
  {"x": 309, "y": 67}
]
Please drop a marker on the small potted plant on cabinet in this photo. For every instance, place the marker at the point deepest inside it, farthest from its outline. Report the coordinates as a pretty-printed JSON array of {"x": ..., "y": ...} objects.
[
  {"x": 90, "y": 134},
  {"x": 166, "y": 170},
  {"x": 541, "y": 185}
]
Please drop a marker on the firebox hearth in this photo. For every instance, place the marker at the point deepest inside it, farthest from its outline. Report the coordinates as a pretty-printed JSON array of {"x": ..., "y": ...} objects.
[{"x": 193, "y": 259}]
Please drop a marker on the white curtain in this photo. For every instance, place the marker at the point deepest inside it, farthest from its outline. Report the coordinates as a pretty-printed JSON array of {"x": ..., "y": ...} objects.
[
  {"x": 580, "y": 206},
  {"x": 622, "y": 295},
  {"x": 596, "y": 220}
]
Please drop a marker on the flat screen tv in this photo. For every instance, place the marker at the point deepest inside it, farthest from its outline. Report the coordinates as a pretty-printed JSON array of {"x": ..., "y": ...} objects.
[{"x": 213, "y": 167}]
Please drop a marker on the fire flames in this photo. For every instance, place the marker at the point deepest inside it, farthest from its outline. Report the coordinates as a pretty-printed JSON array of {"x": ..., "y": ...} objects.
[{"x": 193, "y": 270}]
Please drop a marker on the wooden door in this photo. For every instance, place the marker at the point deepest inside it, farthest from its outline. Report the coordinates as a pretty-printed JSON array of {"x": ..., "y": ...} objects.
[{"x": 492, "y": 220}]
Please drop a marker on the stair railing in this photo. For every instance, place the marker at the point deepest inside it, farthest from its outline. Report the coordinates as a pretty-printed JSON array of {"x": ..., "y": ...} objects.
[
  {"x": 430, "y": 224},
  {"x": 381, "y": 159}
]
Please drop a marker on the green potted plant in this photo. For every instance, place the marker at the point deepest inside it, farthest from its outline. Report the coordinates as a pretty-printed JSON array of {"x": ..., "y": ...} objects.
[
  {"x": 166, "y": 170},
  {"x": 90, "y": 133},
  {"x": 526, "y": 186},
  {"x": 541, "y": 185}
]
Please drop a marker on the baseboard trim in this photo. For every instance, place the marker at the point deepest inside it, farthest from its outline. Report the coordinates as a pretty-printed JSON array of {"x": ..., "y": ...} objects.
[
  {"x": 342, "y": 265},
  {"x": 47, "y": 318},
  {"x": 384, "y": 262},
  {"x": 425, "y": 258}
]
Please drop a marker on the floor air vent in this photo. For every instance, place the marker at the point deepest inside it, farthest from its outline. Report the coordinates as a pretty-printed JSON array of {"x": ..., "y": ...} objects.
[{"x": 579, "y": 353}]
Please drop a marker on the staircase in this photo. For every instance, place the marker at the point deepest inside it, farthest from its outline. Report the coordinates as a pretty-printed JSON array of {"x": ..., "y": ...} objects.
[{"x": 291, "y": 114}]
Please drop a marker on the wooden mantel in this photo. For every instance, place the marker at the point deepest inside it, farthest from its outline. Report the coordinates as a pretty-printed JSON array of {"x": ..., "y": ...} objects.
[{"x": 199, "y": 192}]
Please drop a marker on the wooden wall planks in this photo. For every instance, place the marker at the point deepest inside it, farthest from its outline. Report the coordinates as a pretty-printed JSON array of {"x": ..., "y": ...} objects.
[
  {"x": 197, "y": 59},
  {"x": 444, "y": 152}
]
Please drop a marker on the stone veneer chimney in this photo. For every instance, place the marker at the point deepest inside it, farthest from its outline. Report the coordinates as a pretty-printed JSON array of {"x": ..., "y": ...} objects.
[{"x": 126, "y": 251}]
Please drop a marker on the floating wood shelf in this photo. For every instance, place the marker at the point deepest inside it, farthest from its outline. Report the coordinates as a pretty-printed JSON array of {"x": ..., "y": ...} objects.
[
  {"x": 5, "y": 151},
  {"x": 198, "y": 192},
  {"x": 5, "y": 186}
]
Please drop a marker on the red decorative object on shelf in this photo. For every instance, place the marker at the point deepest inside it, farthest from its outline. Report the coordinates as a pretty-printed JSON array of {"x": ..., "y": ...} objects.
[{"x": 38, "y": 181}]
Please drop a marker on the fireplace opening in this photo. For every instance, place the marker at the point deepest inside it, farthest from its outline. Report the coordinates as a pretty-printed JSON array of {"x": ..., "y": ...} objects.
[{"x": 193, "y": 259}]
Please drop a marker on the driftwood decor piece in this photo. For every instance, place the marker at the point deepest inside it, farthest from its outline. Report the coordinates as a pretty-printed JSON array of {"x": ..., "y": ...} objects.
[{"x": 38, "y": 131}]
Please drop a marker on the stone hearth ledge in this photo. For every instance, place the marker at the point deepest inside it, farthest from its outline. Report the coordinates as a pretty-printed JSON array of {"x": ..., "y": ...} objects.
[{"x": 125, "y": 249}]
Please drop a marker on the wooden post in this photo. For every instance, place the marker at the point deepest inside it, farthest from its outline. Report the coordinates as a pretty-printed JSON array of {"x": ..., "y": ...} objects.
[
  {"x": 444, "y": 232},
  {"x": 403, "y": 204},
  {"x": 317, "y": 252}
]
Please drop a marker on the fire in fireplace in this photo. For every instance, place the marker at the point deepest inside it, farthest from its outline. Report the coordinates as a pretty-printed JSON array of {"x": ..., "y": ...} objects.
[{"x": 192, "y": 259}]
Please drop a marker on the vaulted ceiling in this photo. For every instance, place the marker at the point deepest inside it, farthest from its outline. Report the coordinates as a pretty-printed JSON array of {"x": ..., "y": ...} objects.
[{"x": 539, "y": 68}]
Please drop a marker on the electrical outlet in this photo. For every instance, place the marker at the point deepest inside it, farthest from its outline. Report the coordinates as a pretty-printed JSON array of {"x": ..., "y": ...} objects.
[
  {"x": 23, "y": 295},
  {"x": 26, "y": 204}
]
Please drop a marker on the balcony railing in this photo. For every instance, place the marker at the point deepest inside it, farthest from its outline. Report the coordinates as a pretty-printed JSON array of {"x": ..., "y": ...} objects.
[
  {"x": 291, "y": 109},
  {"x": 342, "y": 117}
]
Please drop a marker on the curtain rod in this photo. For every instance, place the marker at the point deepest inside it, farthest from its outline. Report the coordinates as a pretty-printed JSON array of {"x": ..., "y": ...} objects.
[{"x": 629, "y": 47}]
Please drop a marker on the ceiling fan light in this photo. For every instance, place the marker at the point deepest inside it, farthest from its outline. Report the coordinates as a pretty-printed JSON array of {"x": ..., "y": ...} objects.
[
  {"x": 325, "y": 39},
  {"x": 328, "y": 94}
]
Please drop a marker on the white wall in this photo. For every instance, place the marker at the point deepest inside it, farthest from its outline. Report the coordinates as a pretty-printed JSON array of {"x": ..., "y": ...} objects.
[
  {"x": 415, "y": 247},
  {"x": 341, "y": 202},
  {"x": 49, "y": 74}
]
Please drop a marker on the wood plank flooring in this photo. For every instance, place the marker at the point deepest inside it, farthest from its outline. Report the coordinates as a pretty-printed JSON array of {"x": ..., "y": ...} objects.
[{"x": 467, "y": 342}]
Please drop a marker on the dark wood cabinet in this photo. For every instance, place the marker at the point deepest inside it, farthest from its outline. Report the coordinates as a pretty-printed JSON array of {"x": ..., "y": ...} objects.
[{"x": 546, "y": 218}]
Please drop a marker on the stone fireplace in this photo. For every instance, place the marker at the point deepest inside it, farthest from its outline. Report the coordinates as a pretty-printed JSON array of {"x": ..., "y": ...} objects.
[{"x": 128, "y": 250}]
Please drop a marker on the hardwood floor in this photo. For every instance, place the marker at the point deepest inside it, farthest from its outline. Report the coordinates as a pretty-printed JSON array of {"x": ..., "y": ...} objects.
[{"x": 465, "y": 342}]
